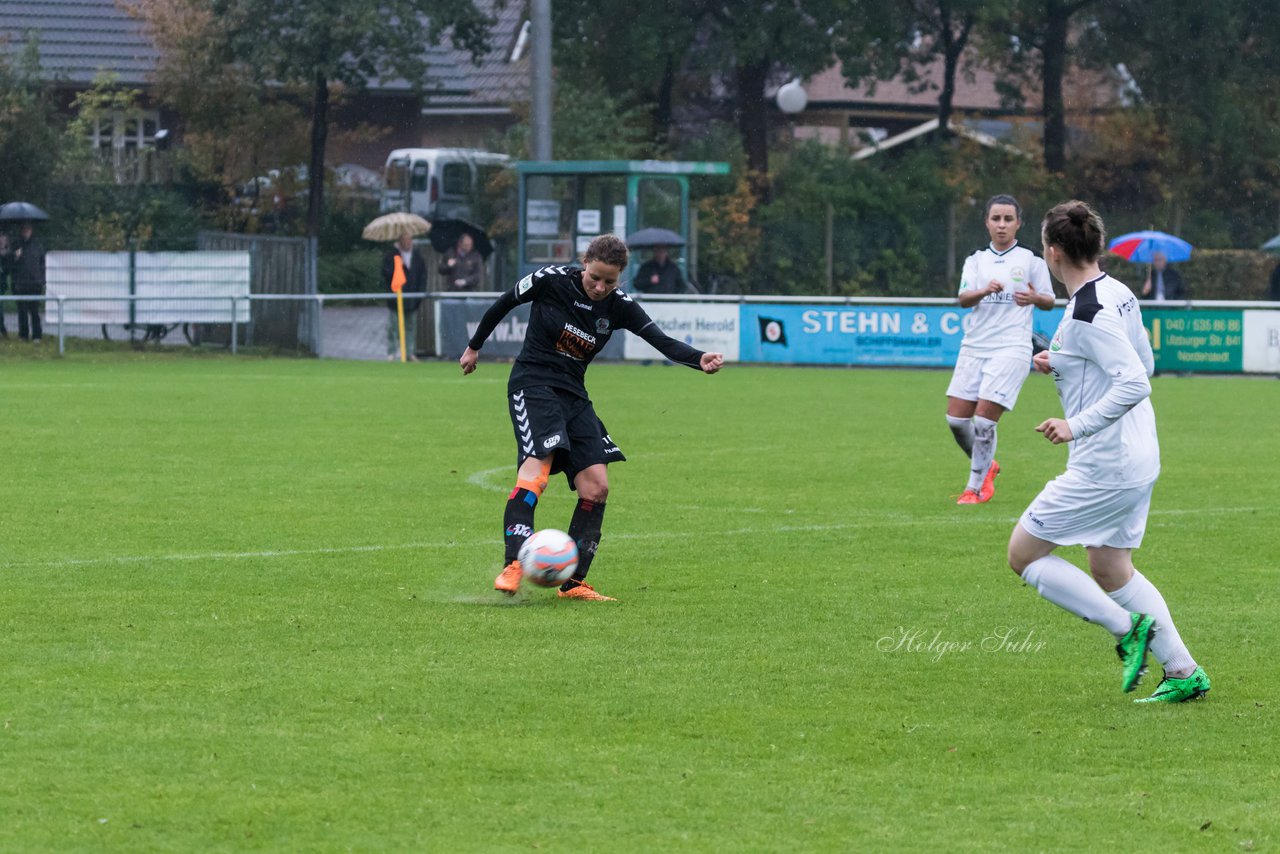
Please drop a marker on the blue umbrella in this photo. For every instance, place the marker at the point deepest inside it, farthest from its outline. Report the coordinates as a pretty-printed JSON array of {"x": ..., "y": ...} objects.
[
  {"x": 1272, "y": 245},
  {"x": 21, "y": 212},
  {"x": 1140, "y": 246}
]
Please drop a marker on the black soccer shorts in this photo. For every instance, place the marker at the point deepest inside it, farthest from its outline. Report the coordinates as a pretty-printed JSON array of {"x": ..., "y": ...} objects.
[{"x": 549, "y": 422}]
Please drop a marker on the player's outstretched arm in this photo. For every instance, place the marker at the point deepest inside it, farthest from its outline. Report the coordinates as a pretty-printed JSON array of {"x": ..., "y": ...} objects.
[
  {"x": 468, "y": 360},
  {"x": 711, "y": 362}
]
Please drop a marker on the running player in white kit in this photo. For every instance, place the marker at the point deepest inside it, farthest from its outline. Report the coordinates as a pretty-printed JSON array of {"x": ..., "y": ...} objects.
[
  {"x": 1101, "y": 360},
  {"x": 1003, "y": 280}
]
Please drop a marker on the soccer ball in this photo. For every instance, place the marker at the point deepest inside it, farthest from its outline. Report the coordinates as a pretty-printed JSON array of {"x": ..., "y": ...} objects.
[{"x": 549, "y": 557}]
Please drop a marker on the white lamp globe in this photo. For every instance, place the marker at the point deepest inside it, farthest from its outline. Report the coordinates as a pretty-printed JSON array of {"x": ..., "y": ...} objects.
[{"x": 792, "y": 97}]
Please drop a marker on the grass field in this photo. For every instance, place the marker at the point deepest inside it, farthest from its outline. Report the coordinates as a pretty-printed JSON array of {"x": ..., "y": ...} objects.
[{"x": 246, "y": 605}]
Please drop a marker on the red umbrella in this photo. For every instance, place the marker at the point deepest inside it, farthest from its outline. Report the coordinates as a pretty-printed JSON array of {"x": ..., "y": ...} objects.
[{"x": 1141, "y": 246}]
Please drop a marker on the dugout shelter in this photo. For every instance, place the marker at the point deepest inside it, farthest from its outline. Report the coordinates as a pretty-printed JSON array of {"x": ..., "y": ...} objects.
[{"x": 563, "y": 204}]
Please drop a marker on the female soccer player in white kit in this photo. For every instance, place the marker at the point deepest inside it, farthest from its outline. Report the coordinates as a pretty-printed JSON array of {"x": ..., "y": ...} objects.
[
  {"x": 1003, "y": 280},
  {"x": 1101, "y": 360}
]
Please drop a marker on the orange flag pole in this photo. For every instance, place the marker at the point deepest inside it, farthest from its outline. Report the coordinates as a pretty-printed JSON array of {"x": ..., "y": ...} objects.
[{"x": 398, "y": 280}]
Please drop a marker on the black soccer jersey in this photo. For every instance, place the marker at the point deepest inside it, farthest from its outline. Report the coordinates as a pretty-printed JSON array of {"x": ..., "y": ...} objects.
[{"x": 567, "y": 329}]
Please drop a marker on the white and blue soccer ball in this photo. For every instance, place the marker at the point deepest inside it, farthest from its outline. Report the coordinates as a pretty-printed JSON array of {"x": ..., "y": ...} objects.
[{"x": 548, "y": 558}]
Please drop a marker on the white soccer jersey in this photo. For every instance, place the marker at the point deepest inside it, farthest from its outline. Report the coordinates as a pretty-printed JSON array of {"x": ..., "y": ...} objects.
[
  {"x": 999, "y": 326},
  {"x": 1101, "y": 360}
]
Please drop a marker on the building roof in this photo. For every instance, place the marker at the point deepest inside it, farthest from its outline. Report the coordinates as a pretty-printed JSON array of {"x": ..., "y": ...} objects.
[
  {"x": 975, "y": 91},
  {"x": 79, "y": 39},
  {"x": 456, "y": 83}
]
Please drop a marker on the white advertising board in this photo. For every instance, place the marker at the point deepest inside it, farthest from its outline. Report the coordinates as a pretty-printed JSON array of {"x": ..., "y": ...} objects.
[
  {"x": 1261, "y": 342},
  {"x": 711, "y": 327}
]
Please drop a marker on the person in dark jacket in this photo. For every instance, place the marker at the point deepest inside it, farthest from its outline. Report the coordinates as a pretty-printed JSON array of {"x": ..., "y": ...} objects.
[
  {"x": 26, "y": 266},
  {"x": 415, "y": 274},
  {"x": 1163, "y": 282},
  {"x": 659, "y": 275},
  {"x": 462, "y": 266},
  {"x": 4, "y": 279}
]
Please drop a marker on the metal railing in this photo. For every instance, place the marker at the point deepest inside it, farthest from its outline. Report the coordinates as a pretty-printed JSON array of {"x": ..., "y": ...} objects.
[{"x": 318, "y": 301}]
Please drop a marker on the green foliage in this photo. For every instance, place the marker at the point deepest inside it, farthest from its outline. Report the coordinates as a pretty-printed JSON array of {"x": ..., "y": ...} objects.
[
  {"x": 249, "y": 607},
  {"x": 588, "y": 123},
  {"x": 355, "y": 271},
  {"x": 1211, "y": 274},
  {"x": 889, "y": 216},
  {"x": 1209, "y": 80},
  {"x": 876, "y": 242},
  {"x": 113, "y": 217},
  {"x": 31, "y": 141}
]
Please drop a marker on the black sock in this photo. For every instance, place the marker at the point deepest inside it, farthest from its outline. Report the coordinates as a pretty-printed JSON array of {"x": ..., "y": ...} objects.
[
  {"x": 585, "y": 530},
  {"x": 517, "y": 521}
]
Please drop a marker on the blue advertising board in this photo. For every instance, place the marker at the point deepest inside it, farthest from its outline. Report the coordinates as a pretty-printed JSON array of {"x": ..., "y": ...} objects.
[{"x": 926, "y": 336}]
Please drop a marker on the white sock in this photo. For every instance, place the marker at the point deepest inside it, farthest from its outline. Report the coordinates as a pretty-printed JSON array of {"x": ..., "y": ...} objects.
[
  {"x": 984, "y": 450},
  {"x": 962, "y": 429},
  {"x": 1140, "y": 596},
  {"x": 1072, "y": 589}
]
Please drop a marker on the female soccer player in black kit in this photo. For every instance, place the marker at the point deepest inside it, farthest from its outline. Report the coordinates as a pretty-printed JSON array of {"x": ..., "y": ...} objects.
[{"x": 574, "y": 312}]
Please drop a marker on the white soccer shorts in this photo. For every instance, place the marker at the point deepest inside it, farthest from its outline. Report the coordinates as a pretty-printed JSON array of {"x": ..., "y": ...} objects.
[
  {"x": 994, "y": 378},
  {"x": 1073, "y": 511}
]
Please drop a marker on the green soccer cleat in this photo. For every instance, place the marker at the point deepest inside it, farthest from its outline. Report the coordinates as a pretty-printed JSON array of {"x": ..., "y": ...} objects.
[
  {"x": 1172, "y": 690},
  {"x": 1132, "y": 650}
]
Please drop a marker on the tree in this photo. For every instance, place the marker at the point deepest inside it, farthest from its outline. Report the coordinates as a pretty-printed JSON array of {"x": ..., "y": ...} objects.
[
  {"x": 643, "y": 62},
  {"x": 233, "y": 127},
  {"x": 1038, "y": 46},
  {"x": 736, "y": 50},
  {"x": 899, "y": 40},
  {"x": 30, "y": 140},
  {"x": 1207, "y": 80},
  {"x": 317, "y": 44}
]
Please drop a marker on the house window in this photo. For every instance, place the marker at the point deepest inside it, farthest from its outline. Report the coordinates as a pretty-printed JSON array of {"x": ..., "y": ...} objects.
[
  {"x": 119, "y": 136},
  {"x": 125, "y": 131}
]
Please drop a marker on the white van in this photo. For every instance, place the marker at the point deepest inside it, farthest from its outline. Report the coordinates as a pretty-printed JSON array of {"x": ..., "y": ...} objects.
[{"x": 437, "y": 183}]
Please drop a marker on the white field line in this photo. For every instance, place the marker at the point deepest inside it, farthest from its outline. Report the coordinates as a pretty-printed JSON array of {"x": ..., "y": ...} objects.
[{"x": 868, "y": 520}]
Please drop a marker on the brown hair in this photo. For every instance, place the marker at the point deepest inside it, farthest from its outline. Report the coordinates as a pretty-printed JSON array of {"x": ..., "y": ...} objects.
[
  {"x": 1003, "y": 199},
  {"x": 1076, "y": 229},
  {"x": 608, "y": 249}
]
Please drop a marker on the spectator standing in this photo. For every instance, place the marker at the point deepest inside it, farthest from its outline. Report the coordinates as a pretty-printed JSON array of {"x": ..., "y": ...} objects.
[
  {"x": 415, "y": 273},
  {"x": 1163, "y": 282},
  {"x": 1274, "y": 291},
  {"x": 4, "y": 279},
  {"x": 659, "y": 275},
  {"x": 26, "y": 265},
  {"x": 462, "y": 266}
]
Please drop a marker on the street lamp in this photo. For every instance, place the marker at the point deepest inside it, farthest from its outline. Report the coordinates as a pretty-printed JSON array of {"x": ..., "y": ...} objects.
[{"x": 791, "y": 97}]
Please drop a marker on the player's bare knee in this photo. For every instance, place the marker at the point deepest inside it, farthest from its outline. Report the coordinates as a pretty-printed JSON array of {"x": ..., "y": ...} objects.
[
  {"x": 1017, "y": 562},
  {"x": 594, "y": 491}
]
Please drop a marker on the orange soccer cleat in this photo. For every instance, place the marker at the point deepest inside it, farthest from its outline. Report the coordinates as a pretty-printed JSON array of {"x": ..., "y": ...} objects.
[
  {"x": 989, "y": 482},
  {"x": 508, "y": 581},
  {"x": 585, "y": 592},
  {"x": 968, "y": 497}
]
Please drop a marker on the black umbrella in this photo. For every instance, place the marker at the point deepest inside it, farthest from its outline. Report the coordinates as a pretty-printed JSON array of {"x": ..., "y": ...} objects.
[
  {"x": 445, "y": 233},
  {"x": 655, "y": 237},
  {"x": 21, "y": 212}
]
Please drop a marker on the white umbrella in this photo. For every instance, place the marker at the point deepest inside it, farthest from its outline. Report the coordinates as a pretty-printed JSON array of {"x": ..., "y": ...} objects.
[{"x": 391, "y": 226}]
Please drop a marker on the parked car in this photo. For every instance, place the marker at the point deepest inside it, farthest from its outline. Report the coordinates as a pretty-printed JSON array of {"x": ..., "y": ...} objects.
[{"x": 438, "y": 183}]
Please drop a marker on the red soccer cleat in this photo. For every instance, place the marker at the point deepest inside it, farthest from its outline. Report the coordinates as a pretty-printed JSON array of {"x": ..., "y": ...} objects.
[
  {"x": 585, "y": 592},
  {"x": 508, "y": 581},
  {"x": 989, "y": 483}
]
